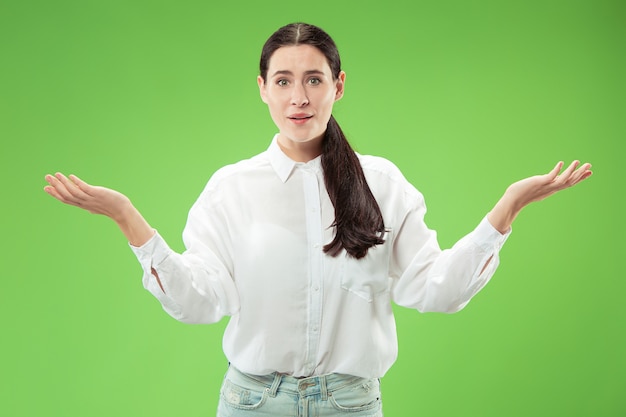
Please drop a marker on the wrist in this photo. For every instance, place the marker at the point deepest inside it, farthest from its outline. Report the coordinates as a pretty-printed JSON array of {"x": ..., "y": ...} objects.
[
  {"x": 510, "y": 203},
  {"x": 133, "y": 225},
  {"x": 123, "y": 214},
  {"x": 504, "y": 212}
]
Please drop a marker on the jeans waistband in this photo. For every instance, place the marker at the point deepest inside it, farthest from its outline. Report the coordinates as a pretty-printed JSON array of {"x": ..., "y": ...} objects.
[{"x": 314, "y": 385}]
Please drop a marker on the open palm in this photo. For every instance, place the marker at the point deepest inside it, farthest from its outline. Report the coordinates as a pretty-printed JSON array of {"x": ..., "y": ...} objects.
[
  {"x": 95, "y": 199},
  {"x": 538, "y": 187}
]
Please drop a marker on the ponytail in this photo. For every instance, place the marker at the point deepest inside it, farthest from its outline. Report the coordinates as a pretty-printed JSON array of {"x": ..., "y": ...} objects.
[{"x": 358, "y": 221}]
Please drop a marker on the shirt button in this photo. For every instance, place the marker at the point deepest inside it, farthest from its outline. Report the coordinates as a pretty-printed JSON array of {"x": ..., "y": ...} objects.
[
  {"x": 316, "y": 288},
  {"x": 314, "y": 329}
]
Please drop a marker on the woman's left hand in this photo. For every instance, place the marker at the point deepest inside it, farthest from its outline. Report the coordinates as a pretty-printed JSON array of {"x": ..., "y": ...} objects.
[
  {"x": 521, "y": 193},
  {"x": 538, "y": 187}
]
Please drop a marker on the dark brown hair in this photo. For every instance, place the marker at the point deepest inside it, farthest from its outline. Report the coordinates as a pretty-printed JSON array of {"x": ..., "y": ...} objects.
[{"x": 358, "y": 220}]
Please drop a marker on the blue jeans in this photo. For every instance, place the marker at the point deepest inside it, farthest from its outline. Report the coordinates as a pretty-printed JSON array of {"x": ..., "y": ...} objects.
[{"x": 277, "y": 395}]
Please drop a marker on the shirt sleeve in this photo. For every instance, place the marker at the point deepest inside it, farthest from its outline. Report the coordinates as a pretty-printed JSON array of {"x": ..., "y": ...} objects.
[
  {"x": 197, "y": 284},
  {"x": 433, "y": 280}
]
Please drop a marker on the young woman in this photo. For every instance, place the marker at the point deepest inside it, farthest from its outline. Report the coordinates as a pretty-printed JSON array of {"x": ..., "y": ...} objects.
[{"x": 306, "y": 245}]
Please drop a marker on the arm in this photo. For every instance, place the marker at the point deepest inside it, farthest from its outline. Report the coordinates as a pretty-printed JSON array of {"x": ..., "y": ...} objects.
[
  {"x": 433, "y": 280},
  {"x": 195, "y": 287},
  {"x": 520, "y": 194},
  {"x": 101, "y": 200}
]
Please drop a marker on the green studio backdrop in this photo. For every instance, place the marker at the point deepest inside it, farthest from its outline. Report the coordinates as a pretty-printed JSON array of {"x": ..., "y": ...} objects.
[{"x": 151, "y": 97}]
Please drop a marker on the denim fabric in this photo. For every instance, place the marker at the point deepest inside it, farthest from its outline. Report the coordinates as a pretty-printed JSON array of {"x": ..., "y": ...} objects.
[{"x": 277, "y": 395}]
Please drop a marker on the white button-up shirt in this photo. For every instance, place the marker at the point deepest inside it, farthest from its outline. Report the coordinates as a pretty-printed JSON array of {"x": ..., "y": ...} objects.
[{"x": 254, "y": 251}]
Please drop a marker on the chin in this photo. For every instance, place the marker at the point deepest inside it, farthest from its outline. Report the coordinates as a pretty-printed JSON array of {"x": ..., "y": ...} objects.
[{"x": 303, "y": 138}]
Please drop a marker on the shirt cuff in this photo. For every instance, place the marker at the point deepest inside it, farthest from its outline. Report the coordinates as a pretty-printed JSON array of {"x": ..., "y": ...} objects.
[
  {"x": 488, "y": 237},
  {"x": 153, "y": 252}
]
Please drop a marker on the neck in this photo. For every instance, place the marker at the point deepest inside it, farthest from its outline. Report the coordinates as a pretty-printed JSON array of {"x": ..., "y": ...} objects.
[{"x": 301, "y": 151}]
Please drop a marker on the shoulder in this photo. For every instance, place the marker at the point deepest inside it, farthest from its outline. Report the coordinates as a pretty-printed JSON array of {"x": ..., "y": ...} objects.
[
  {"x": 240, "y": 168},
  {"x": 381, "y": 166},
  {"x": 385, "y": 179},
  {"x": 379, "y": 169},
  {"x": 228, "y": 176}
]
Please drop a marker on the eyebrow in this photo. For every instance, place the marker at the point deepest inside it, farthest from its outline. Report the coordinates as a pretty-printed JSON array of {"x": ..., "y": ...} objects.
[{"x": 287, "y": 72}]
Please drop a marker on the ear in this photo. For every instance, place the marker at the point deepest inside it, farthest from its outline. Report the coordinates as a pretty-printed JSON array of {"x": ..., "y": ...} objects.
[
  {"x": 261, "y": 82},
  {"x": 340, "y": 85}
]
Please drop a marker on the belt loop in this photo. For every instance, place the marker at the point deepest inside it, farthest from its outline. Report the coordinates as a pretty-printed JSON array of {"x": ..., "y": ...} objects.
[
  {"x": 323, "y": 388},
  {"x": 275, "y": 384}
]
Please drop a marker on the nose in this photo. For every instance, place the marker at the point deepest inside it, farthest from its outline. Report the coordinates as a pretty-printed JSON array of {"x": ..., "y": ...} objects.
[{"x": 298, "y": 96}]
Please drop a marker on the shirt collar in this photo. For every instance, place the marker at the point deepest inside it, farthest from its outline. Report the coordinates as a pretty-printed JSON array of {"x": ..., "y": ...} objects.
[{"x": 283, "y": 165}]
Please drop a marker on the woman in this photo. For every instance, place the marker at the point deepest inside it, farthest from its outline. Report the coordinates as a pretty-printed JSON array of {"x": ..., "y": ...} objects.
[{"x": 305, "y": 245}]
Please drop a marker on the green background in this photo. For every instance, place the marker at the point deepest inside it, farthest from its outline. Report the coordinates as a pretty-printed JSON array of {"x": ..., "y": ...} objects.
[{"x": 151, "y": 97}]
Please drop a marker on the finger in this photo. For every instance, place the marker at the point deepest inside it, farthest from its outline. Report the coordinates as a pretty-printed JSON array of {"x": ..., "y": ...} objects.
[
  {"x": 575, "y": 175},
  {"x": 555, "y": 171},
  {"x": 582, "y": 173},
  {"x": 88, "y": 189},
  {"x": 71, "y": 187},
  {"x": 56, "y": 187},
  {"x": 570, "y": 169},
  {"x": 82, "y": 185},
  {"x": 56, "y": 190},
  {"x": 63, "y": 188},
  {"x": 53, "y": 192},
  {"x": 565, "y": 178}
]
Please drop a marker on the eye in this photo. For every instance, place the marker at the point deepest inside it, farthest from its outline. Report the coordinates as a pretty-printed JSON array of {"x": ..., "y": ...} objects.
[
  {"x": 314, "y": 81},
  {"x": 282, "y": 82}
]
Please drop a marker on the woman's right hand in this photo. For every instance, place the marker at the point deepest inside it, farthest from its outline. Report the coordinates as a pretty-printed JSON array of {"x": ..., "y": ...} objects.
[
  {"x": 96, "y": 200},
  {"x": 101, "y": 200}
]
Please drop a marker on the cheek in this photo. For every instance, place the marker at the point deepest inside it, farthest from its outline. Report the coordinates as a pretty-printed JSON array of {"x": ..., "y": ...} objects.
[
  {"x": 328, "y": 101},
  {"x": 272, "y": 103},
  {"x": 276, "y": 108},
  {"x": 277, "y": 101},
  {"x": 276, "y": 112}
]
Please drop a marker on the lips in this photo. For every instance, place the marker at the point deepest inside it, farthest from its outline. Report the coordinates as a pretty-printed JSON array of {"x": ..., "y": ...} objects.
[{"x": 299, "y": 116}]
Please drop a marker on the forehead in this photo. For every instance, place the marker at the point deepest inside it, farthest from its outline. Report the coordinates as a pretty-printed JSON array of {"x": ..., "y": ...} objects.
[{"x": 298, "y": 58}]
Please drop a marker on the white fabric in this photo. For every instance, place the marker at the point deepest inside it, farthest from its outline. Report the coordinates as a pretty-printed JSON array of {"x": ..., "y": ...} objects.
[{"x": 255, "y": 240}]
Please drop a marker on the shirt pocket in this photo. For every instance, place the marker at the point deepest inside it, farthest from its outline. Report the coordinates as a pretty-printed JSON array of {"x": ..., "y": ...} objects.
[{"x": 368, "y": 277}]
